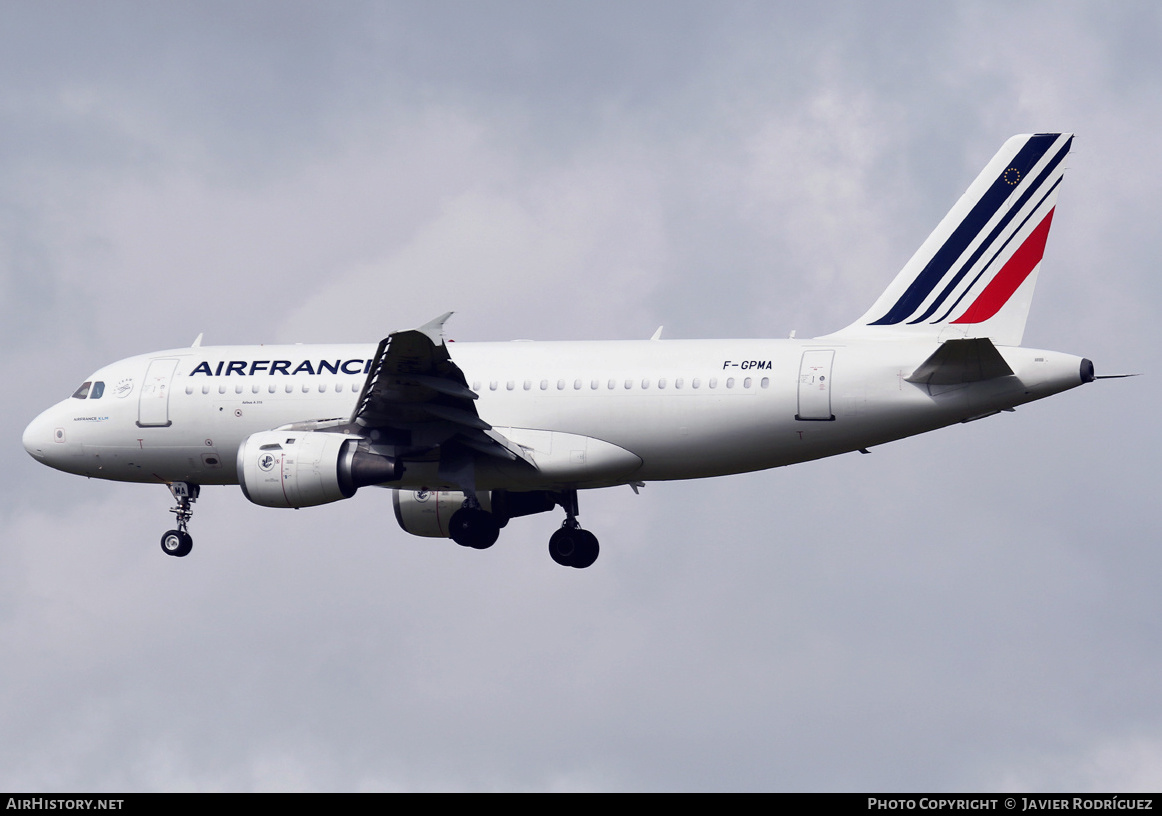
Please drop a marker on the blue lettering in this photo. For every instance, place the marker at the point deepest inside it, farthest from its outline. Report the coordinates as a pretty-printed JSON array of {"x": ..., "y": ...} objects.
[{"x": 239, "y": 367}]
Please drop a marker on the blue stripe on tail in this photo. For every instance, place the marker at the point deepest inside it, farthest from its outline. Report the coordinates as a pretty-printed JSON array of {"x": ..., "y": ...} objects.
[{"x": 968, "y": 229}]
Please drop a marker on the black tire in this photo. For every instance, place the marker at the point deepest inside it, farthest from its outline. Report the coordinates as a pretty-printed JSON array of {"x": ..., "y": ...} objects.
[
  {"x": 176, "y": 543},
  {"x": 563, "y": 546},
  {"x": 587, "y": 550},
  {"x": 473, "y": 528}
]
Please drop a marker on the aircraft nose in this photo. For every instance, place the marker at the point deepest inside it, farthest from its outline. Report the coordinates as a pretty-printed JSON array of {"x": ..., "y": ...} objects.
[{"x": 38, "y": 436}]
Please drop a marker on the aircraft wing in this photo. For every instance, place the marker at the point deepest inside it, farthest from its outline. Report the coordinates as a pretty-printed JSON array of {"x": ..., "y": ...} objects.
[{"x": 416, "y": 404}]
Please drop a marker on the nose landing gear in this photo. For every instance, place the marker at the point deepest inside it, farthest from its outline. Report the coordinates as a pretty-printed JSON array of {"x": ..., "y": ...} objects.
[{"x": 178, "y": 542}]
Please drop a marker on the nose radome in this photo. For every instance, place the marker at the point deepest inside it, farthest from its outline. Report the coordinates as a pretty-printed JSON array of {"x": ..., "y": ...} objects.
[{"x": 38, "y": 436}]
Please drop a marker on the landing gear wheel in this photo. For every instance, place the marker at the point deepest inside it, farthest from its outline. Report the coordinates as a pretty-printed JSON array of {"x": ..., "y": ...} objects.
[
  {"x": 177, "y": 543},
  {"x": 587, "y": 550},
  {"x": 573, "y": 547},
  {"x": 562, "y": 545},
  {"x": 472, "y": 527}
]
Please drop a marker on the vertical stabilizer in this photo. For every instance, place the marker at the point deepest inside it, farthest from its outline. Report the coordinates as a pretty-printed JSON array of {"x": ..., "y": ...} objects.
[{"x": 974, "y": 275}]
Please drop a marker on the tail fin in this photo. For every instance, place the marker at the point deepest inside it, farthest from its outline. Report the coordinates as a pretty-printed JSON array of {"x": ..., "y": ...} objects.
[{"x": 974, "y": 276}]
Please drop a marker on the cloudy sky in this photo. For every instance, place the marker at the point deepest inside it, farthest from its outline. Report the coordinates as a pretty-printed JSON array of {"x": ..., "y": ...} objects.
[{"x": 975, "y": 609}]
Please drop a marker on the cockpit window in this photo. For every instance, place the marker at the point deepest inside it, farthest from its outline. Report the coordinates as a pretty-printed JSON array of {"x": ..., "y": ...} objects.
[
  {"x": 98, "y": 390},
  {"x": 82, "y": 392}
]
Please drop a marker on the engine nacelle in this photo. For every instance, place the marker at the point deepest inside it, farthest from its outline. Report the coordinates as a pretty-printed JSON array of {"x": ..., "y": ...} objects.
[
  {"x": 308, "y": 468},
  {"x": 426, "y": 512}
]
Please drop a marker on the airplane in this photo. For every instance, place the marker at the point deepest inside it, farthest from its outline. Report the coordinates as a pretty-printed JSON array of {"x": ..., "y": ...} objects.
[{"x": 471, "y": 435}]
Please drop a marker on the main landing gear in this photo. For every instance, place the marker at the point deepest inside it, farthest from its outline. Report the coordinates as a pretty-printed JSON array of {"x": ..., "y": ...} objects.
[
  {"x": 473, "y": 526},
  {"x": 178, "y": 542},
  {"x": 571, "y": 546}
]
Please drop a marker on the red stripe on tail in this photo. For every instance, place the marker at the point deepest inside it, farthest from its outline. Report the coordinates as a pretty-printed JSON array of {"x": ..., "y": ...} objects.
[{"x": 1011, "y": 276}]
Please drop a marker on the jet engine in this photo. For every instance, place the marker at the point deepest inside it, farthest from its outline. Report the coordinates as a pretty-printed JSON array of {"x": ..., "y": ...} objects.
[
  {"x": 308, "y": 468},
  {"x": 427, "y": 512}
]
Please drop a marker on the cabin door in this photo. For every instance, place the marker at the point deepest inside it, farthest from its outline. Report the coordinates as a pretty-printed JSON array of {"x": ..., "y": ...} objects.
[
  {"x": 815, "y": 386},
  {"x": 153, "y": 404}
]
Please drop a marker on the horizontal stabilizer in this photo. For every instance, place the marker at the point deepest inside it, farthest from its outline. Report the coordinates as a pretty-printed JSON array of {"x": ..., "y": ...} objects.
[{"x": 962, "y": 361}]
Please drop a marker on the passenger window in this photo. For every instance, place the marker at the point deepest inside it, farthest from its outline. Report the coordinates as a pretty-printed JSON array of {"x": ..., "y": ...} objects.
[
  {"x": 662, "y": 382},
  {"x": 746, "y": 383},
  {"x": 730, "y": 382},
  {"x": 83, "y": 391},
  {"x": 544, "y": 385},
  {"x": 766, "y": 382},
  {"x": 576, "y": 385}
]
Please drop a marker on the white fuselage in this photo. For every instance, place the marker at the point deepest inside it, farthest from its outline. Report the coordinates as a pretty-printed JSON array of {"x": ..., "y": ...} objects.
[{"x": 589, "y": 414}]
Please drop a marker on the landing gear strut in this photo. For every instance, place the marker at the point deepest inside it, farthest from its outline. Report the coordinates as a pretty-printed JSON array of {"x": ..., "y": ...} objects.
[
  {"x": 571, "y": 546},
  {"x": 179, "y": 542}
]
